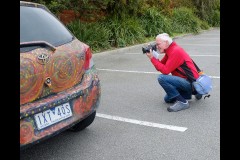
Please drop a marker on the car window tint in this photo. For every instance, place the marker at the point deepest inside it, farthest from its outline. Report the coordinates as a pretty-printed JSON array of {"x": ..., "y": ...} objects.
[{"x": 36, "y": 24}]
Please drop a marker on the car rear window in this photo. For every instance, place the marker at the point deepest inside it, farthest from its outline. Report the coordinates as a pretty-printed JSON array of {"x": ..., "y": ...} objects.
[{"x": 36, "y": 24}]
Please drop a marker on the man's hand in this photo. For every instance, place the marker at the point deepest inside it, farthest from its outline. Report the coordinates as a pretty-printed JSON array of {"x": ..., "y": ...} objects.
[{"x": 149, "y": 54}]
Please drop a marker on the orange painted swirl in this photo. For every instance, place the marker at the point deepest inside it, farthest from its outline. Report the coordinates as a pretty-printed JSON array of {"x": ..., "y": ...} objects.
[
  {"x": 31, "y": 78},
  {"x": 26, "y": 132},
  {"x": 65, "y": 70}
]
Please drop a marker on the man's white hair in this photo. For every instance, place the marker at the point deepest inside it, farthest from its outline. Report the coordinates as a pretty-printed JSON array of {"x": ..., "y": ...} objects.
[{"x": 165, "y": 37}]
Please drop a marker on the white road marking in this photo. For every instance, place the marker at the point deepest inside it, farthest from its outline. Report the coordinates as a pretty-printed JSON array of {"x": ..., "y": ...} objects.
[
  {"x": 197, "y": 55},
  {"x": 134, "y": 53},
  {"x": 205, "y": 56},
  {"x": 125, "y": 71},
  {"x": 143, "y": 123},
  {"x": 197, "y": 38},
  {"x": 210, "y": 35},
  {"x": 214, "y": 77},
  {"x": 205, "y": 45}
]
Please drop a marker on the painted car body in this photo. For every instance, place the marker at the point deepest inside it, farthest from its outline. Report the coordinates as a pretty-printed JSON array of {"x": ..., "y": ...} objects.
[{"x": 59, "y": 83}]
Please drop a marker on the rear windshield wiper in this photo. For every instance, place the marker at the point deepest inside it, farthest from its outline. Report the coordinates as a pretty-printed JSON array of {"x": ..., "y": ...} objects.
[{"x": 37, "y": 43}]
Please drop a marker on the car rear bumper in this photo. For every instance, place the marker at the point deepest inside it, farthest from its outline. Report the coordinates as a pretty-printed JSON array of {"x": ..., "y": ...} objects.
[{"x": 83, "y": 98}]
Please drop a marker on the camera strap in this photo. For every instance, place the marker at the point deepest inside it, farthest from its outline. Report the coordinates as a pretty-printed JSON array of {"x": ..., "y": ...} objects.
[{"x": 190, "y": 78}]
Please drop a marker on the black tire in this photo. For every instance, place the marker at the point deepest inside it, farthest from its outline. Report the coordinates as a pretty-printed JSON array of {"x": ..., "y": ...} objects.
[{"x": 84, "y": 123}]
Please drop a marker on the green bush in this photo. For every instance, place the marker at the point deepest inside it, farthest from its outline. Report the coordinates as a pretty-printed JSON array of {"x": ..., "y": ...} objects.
[
  {"x": 214, "y": 18},
  {"x": 94, "y": 34},
  {"x": 184, "y": 21},
  {"x": 55, "y": 6},
  {"x": 205, "y": 9},
  {"x": 124, "y": 8},
  {"x": 204, "y": 25},
  {"x": 128, "y": 22},
  {"x": 154, "y": 23},
  {"x": 125, "y": 31},
  {"x": 183, "y": 3}
]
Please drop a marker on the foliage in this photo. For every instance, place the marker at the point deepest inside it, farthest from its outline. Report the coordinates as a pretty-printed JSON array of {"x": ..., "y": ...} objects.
[
  {"x": 154, "y": 22},
  {"x": 94, "y": 34},
  {"x": 184, "y": 21},
  {"x": 214, "y": 18},
  {"x": 165, "y": 6},
  {"x": 183, "y": 3},
  {"x": 92, "y": 10},
  {"x": 117, "y": 23},
  {"x": 125, "y": 31},
  {"x": 124, "y": 8},
  {"x": 56, "y": 6},
  {"x": 208, "y": 9},
  {"x": 204, "y": 25}
]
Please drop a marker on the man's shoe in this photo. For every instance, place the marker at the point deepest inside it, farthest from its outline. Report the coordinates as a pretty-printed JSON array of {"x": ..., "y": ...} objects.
[
  {"x": 178, "y": 106},
  {"x": 198, "y": 96}
]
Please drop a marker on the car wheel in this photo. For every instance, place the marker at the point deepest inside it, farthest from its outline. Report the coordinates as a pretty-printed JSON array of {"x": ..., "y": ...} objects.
[{"x": 84, "y": 123}]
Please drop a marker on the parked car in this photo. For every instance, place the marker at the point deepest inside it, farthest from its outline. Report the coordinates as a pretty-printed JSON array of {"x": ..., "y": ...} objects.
[{"x": 59, "y": 84}]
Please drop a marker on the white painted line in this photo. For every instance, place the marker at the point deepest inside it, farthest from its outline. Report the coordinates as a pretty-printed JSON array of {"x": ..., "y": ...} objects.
[
  {"x": 143, "y": 123},
  {"x": 197, "y": 55},
  {"x": 214, "y": 77},
  {"x": 204, "y": 55},
  {"x": 137, "y": 53},
  {"x": 197, "y": 38},
  {"x": 207, "y": 45},
  {"x": 125, "y": 71},
  {"x": 210, "y": 34}
]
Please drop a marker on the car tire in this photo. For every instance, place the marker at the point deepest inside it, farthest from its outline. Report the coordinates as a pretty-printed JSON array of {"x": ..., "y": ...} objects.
[{"x": 84, "y": 123}]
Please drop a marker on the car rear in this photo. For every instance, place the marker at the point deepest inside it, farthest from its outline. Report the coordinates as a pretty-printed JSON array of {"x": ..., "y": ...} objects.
[{"x": 59, "y": 84}]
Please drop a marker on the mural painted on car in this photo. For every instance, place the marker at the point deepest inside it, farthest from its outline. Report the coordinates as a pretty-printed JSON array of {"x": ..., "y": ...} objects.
[
  {"x": 57, "y": 80},
  {"x": 64, "y": 67}
]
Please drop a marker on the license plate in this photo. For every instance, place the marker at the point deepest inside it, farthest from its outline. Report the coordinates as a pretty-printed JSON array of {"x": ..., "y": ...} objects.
[{"x": 53, "y": 115}]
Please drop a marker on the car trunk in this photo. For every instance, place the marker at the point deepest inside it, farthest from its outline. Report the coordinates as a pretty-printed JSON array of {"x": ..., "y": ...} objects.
[{"x": 44, "y": 71}]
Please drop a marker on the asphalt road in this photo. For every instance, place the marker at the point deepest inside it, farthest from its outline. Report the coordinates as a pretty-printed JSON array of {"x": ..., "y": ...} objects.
[{"x": 132, "y": 121}]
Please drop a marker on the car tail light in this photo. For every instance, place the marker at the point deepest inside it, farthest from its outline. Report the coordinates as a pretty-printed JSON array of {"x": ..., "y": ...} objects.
[{"x": 88, "y": 59}]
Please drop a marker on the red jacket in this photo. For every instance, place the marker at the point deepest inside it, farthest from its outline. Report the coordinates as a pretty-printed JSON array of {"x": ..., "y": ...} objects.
[{"x": 174, "y": 57}]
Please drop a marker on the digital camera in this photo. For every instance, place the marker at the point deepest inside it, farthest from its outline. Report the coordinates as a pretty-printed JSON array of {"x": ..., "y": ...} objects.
[{"x": 147, "y": 49}]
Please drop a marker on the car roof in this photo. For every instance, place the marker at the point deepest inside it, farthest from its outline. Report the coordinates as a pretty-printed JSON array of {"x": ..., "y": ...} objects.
[{"x": 32, "y": 4}]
